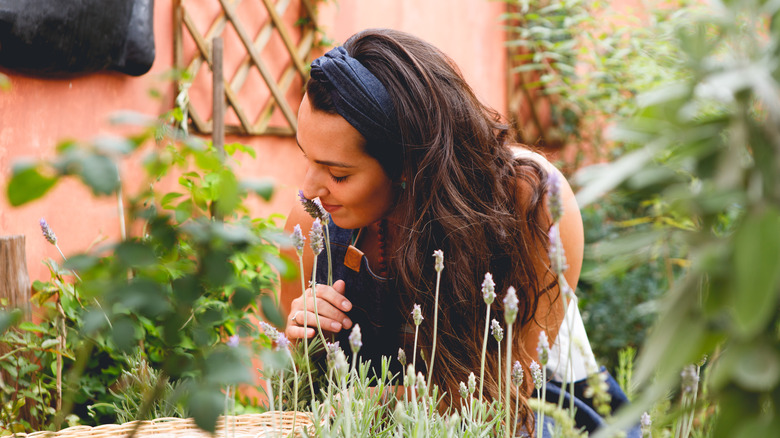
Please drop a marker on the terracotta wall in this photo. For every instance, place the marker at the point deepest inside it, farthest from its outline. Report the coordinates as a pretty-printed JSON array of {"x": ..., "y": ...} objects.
[{"x": 35, "y": 114}]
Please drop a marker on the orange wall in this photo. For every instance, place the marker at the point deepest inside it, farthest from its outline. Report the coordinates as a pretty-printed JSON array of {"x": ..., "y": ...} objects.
[{"x": 37, "y": 113}]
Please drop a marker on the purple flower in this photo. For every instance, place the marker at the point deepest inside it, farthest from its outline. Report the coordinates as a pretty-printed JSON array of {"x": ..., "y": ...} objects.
[
  {"x": 690, "y": 379},
  {"x": 496, "y": 331},
  {"x": 543, "y": 348},
  {"x": 313, "y": 207},
  {"x": 510, "y": 305},
  {"x": 298, "y": 239},
  {"x": 417, "y": 314},
  {"x": 282, "y": 343},
  {"x": 438, "y": 255},
  {"x": 232, "y": 341},
  {"x": 554, "y": 201},
  {"x": 488, "y": 289},
  {"x": 355, "y": 339},
  {"x": 645, "y": 422},
  {"x": 48, "y": 233},
  {"x": 536, "y": 374},
  {"x": 557, "y": 256},
  {"x": 270, "y": 331},
  {"x": 517, "y": 373},
  {"x": 316, "y": 237}
]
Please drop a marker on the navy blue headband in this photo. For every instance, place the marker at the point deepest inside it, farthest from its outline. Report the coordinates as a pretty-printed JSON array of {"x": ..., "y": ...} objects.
[{"x": 358, "y": 95}]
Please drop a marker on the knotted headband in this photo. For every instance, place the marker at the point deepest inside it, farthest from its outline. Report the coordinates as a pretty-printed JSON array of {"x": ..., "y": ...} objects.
[{"x": 358, "y": 95}]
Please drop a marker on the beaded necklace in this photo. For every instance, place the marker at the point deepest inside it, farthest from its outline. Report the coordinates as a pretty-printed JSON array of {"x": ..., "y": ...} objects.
[{"x": 381, "y": 236}]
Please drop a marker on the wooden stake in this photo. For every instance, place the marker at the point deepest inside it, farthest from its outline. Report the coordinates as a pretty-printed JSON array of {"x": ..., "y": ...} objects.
[
  {"x": 218, "y": 80},
  {"x": 14, "y": 279}
]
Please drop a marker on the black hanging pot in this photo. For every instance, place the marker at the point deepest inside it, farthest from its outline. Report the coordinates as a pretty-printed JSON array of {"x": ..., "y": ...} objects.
[{"x": 53, "y": 38}]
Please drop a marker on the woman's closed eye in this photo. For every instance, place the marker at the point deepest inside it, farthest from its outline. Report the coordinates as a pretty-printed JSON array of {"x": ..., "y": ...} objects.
[{"x": 338, "y": 179}]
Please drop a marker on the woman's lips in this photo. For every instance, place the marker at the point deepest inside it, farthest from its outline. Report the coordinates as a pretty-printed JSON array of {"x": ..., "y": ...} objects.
[{"x": 330, "y": 208}]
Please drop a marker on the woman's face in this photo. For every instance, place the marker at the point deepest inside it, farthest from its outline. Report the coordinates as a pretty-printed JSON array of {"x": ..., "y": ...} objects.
[{"x": 351, "y": 184}]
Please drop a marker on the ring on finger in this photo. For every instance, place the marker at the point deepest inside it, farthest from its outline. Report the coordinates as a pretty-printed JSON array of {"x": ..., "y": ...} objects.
[{"x": 294, "y": 316}]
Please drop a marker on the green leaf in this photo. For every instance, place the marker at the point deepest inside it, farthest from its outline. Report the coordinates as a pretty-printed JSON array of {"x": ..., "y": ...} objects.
[
  {"x": 9, "y": 318},
  {"x": 27, "y": 184},
  {"x": 205, "y": 406},
  {"x": 271, "y": 311},
  {"x": 168, "y": 199},
  {"x": 80, "y": 262},
  {"x": 261, "y": 186},
  {"x": 757, "y": 271},
  {"x": 758, "y": 368},
  {"x": 123, "y": 334},
  {"x": 100, "y": 174},
  {"x": 31, "y": 327},
  {"x": 241, "y": 298},
  {"x": 229, "y": 195},
  {"x": 135, "y": 254}
]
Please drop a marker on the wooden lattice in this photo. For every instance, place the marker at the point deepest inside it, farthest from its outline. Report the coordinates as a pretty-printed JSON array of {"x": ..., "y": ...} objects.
[{"x": 278, "y": 85}]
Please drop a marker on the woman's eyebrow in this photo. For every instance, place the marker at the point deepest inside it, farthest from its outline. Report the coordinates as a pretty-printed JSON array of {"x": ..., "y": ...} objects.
[{"x": 325, "y": 162}]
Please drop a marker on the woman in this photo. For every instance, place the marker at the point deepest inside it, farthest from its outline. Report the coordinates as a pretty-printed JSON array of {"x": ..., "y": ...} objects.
[{"x": 406, "y": 160}]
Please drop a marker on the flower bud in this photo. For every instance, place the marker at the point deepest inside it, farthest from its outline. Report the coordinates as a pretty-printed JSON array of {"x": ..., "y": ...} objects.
[
  {"x": 536, "y": 374},
  {"x": 439, "y": 256},
  {"x": 402, "y": 356},
  {"x": 355, "y": 339},
  {"x": 488, "y": 289},
  {"x": 496, "y": 331},
  {"x": 417, "y": 314},
  {"x": 510, "y": 305},
  {"x": 543, "y": 348},
  {"x": 48, "y": 233},
  {"x": 472, "y": 383},
  {"x": 316, "y": 236},
  {"x": 298, "y": 239},
  {"x": 517, "y": 373}
]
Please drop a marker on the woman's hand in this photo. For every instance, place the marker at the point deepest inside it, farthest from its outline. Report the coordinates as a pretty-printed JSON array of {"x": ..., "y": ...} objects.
[{"x": 331, "y": 306}]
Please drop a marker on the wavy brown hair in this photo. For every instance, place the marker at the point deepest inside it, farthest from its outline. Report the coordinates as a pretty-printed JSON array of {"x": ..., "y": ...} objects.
[{"x": 466, "y": 194}]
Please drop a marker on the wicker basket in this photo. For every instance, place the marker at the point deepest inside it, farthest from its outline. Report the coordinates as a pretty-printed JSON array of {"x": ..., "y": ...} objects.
[{"x": 267, "y": 425}]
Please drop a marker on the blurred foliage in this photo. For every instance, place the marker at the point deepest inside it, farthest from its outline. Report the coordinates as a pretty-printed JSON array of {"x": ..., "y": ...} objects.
[
  {"x": 580, "y": 64},
  {"x": 707, "y": 146},
  {"x": 199, "y": 272}
]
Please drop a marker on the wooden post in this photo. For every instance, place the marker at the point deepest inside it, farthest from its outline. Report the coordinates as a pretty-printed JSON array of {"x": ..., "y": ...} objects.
[
  {"x": 218, "y": 114},
  {"x": 14, "y": 279}
]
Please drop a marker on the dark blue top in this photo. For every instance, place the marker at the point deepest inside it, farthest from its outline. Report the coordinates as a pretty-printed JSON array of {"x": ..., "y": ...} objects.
[{"x": 375, "y": 303}]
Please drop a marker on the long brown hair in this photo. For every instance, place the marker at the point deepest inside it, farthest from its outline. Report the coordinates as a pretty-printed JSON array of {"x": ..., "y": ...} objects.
[{"x": 462, "y": 188}]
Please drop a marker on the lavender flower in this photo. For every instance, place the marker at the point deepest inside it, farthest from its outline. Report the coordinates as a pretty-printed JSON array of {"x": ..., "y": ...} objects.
[
  {"x": 417, "y": 314},
  {"x": 232, "y": 341},
  {"x": 282, "y": 343},
  {"x": 472, "y": 383},
  {"x": 48, "y": 233},
  {"x": 554, "y": 201},
  {"x": 557, "y": 256},
  {"x": 496, "y": 331},
  {"x": 510, "y": 305},
  {"x": 517, "y": 373},
  {"x": 330, "y": 349},
  {"x": 464, "y": 391},
  {"x": 543, "y": 348},
  {"x": 270, "y": 331},
  {"x": 298, "y": 239},
  {"x": 488, "y": 289},
  {"x": 409, "y": 378},
  {"x": 645, "y": 422},
  {"x": 313, "y": 207},
  {"x": 690, "y": 379},
  {"x": 316, "y": 237},
  {"x": 439, "y": 256},
  {"x": 536, "y": 374},
  {"x": 421, "y": 389},
  {"x": 355, "y": 339},
  {"x": 402, "y": 356},
  {"x": 339, "y": 364}
]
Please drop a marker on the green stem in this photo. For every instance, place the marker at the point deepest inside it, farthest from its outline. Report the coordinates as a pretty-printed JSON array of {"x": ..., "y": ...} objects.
[
  {"x": 330, "y": 263},
  {"x": 435, "y": 327},
  {"x": 414, "y": 352},
  {"x": 306, "y": 329},
  {"x": 303, "y": 286},
  {"x": 540, "y": 424},
  {"x": 499, "y": 378},
  {"x": 484, "y": 352},
  {"x": 508, "y": 374}
]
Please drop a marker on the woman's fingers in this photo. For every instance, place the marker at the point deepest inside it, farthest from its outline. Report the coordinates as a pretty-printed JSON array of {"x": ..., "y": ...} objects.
[
  {"x": 297, "y": 332},
  {"x": 310, "y": 320}
]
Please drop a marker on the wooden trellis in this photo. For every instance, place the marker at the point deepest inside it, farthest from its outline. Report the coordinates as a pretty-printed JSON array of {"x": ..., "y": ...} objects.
[{"x": 277, "y": 86}]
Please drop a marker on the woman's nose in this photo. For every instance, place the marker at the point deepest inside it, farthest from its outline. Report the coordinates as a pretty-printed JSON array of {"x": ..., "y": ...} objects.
[{"x": 312, "y": 184}]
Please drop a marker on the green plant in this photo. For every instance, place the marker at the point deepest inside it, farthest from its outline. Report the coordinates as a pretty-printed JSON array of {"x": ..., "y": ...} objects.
[
  {"x": 708, "y": 147},
  {"x": 197, "y": 273}
]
